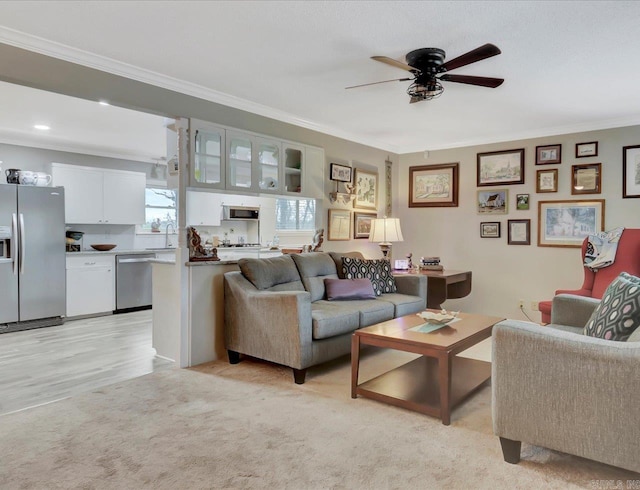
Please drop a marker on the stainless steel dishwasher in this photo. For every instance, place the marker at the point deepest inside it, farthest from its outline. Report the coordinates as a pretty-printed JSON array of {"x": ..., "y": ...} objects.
[{"x": 133, "y": 282}]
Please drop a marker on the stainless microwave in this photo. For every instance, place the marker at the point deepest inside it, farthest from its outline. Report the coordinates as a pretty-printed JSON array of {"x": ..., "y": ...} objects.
[{"x": 241, "y": 213}]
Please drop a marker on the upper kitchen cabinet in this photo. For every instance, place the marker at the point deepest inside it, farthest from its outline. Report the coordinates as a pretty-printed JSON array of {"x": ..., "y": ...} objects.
[
  {"x": 101, "y": 196},
  {"x": 293, "y": 168},
  {"x": 207, "y": 155},
  {"x": 314, "y": 172},
  {"x": 204, "y": 208},
  {"x": 240, "y": 162},
  {"x": 268, "y": 155}
]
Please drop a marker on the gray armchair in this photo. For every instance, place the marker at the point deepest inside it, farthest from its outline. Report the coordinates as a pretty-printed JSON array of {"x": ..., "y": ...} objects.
[{"x": 556, "y": 388}]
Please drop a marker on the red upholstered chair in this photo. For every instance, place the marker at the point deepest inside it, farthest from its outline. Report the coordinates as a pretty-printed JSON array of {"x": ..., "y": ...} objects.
[{"x": 595, "y": 283}]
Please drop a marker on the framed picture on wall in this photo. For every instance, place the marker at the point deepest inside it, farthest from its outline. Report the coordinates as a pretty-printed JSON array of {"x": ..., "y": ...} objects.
[
  {"x": 366, "y": 184},
  {"x": 433, "y": 185},
  {"x": 339, "y": 224},
  {"x": 522, "y": 202},
  {"x": 490, "y": 229},
  {"x": 567, "y": 223},
  {"x": 586, "y": 179},
  {"x": 548, "y": 154},
  {"x": 341, "y": 173},
  {"x": 631, "y": 171},
  {"x": 584, "y": 150},
  {"x": 362, "y": 224},
  {"x": 547, "y": 180},
  {"x": 501, "y": 167},
  {"x": 519, "y": 232},
  {"x": 494, "y": 201}
]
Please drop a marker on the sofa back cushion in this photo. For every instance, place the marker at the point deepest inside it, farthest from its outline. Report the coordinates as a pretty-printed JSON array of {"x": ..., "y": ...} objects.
[
  {"x": 618, "y": 314},
  {"x": 314, "y": 268},
  {"x": 378, "y": 271},
  {"x": 274, "y": 274},
  {"x": 337, "y": 258}
]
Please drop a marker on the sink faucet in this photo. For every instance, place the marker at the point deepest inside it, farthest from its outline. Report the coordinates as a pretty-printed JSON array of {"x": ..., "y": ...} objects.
[{"x": 167, "y": 243}]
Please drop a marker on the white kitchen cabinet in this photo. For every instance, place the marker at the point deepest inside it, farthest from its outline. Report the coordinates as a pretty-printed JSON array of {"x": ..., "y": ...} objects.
[
  {"x": 207, "y": 158},
  {"x": 314, "y": 172},
  {"x": 293, "y": 168},
  {"x": 241, "y": 174},
  {"x": 91, "y": 285},
  {"x": 101, "y": 196},
  {"x": 204, "y": 208}
]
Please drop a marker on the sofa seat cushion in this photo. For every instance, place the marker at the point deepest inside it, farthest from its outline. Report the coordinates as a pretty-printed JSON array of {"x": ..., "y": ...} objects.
[
  {"x": 618, "y": 314},
  {"x": 404, "y": 304},
  {"x": 274, "y": 274},
  {"x": 329, "y": 319},
  {"x": 372, "y": 312},
  {"x": 313, "y": 269}
]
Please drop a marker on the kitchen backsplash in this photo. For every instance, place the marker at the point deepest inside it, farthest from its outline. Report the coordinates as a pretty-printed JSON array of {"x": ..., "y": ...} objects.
[{"x": 123, "y": 236}]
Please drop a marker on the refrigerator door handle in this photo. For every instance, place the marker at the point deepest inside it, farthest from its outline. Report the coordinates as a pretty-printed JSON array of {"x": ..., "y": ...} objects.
[
  {"x": 14, "y": 241},
  {"x": 23, "y": 245}
]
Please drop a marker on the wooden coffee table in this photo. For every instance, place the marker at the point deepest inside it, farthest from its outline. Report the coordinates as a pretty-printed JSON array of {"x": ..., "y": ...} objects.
[{"x": 438, "y": 380}]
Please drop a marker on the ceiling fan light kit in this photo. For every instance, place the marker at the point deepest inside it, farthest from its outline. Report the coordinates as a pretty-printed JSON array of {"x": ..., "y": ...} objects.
[{"x": 426, "y": 64}]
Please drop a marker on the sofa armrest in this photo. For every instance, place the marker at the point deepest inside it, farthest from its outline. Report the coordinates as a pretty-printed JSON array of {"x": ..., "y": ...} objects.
[
  {"x": 567, "y": 392},
  {"x": 275, "y": 326},
  {"x": 572, "y": 310},
  {"x": 412, "y": 285}
]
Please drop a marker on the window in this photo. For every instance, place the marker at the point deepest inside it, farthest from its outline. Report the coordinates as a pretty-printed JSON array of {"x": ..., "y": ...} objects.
[
  {"x": 295, "y": 214},
  {"x": 160, "y": 210}
]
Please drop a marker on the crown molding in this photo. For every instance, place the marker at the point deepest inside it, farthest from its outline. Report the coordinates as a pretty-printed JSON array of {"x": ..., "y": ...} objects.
[{"x": 60, "y": 51}]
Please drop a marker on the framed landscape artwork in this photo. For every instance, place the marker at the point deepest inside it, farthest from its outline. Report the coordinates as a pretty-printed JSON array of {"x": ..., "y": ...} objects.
[
  {"x": 586, "y": 179},
  {"x": 339, "y": 224},
  {"x": 490, "y": 229},
  {"x": 366, "y": 184},
  {"x": 519, "y": 232},
  {"x": 567, "y": 223},
  {"x": 340, "y": 173},
  {"x": 584, "y": 150},
  {"x": 501, "y": 167},
  {"x": 631, "y": 171},
  {"x": 522, "y": 202},
  {"x": 547, "y": 180},
  {"x": 494, "y": 201},
  {"x": 362, "y": 224},
  {"x": 549, "y": 154},
  {"x": 433, "y": 185}
]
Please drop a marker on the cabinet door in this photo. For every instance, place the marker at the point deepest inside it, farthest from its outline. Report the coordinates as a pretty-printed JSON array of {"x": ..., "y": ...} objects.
[
  {"x": 124, "y": 198},
  {"x": 83, "y": 193},
  {"x": 293, "y": 168},
  {"x": 240, "y": 165},
  {"x": 268, "y": 154},
  {"x": 203, "y": 209},
  {"x": 207, "y": 158},
  {"x": 90, "y": 290},
  {"x": 314, "y": 172}
]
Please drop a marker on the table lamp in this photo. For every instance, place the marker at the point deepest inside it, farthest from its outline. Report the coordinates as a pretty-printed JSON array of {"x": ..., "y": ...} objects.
[{"x": 385, "y": 230}]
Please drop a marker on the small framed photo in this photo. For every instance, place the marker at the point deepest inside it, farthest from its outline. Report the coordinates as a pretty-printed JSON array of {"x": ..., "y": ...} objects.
[
  {"x": 366, "y": 189},
  {"x": 519, "y": 232},
  {"x": 586, "y": 179},
  {"x": 401, "y": 265},
  {"x": 433, "y": 185},
  {"x": 547, "y": 180},
  {"x": 584, "y": 150},
  {"x": 567, "y": 223},
  {"x": 341, "y": 173},
  {"x": 522, "y": 202},
  {"x": 493, "y": 202},
  {"x": 490, "y": 229},
  {"x": 548, "y": 154},
  {"x": 631, "y": 171},
  {"x": 501, "y": 167},
  {"x": 339, "y": 224},
  {"x": 362, "y": 224}
]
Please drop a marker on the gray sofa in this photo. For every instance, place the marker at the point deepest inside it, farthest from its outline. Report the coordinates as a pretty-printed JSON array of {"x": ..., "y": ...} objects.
[
  {"x": 557, "y": 388},
  {"x": 275, "y": 309}
]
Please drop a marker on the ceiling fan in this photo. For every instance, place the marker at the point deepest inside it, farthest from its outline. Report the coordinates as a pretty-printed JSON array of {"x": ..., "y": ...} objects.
[{"x": 428, "y": 68}]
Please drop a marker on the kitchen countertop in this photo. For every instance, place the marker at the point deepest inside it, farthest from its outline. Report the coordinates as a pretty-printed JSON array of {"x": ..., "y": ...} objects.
[{"x": 117, "y": 251}]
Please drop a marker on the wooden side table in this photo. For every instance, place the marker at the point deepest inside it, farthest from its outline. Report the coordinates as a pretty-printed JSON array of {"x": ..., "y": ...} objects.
[{"x": 444, "y": 285}]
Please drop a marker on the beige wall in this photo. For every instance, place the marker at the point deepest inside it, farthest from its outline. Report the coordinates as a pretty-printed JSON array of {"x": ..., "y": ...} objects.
[{"x": 502, "y": 273}]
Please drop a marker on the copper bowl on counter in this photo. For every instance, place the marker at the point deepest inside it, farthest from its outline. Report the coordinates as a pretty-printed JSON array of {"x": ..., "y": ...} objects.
[{"x": 103, "y": 247}]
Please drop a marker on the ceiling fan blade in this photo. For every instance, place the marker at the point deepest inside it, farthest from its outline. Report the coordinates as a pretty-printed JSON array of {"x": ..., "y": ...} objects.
[
  {"x": 469, "y": 80},
  {"x": 384, "y": 81},
  {"x": 396, "y": 63},
  {"x": 481, "y": 53}
]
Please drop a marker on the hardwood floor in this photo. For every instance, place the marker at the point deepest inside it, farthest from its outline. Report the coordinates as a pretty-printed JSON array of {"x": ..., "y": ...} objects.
[{"x": 48, "y": 364}]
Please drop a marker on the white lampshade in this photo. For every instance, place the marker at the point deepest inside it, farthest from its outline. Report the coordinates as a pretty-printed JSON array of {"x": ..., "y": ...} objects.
[{"x": 385, "y": 230}]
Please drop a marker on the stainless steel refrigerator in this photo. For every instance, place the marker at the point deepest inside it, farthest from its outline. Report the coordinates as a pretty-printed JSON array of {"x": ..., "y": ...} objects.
[{"x": 32, "y": 257}]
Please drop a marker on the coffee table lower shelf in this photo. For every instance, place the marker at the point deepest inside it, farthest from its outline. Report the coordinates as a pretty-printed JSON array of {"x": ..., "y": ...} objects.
[{"x": 415, "y": 385}]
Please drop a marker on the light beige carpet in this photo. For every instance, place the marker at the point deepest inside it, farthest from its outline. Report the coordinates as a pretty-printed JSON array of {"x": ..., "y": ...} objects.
[{"x": 250, "y": 426}]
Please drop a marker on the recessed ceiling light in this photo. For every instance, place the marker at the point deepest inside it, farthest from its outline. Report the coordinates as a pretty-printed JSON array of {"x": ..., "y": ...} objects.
[
  {"x": 41, "y": 127},
  {"x": 103, "y": 102}
]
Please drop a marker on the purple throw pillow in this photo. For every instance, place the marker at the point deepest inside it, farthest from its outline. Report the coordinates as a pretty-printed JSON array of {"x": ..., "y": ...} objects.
[{"x": 346, "y": 289}]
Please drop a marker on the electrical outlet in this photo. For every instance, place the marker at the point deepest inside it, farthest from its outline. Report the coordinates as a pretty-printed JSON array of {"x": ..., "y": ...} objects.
[
  {"x": 521, "y": 304},
  {"x": 534, "y": 306}
]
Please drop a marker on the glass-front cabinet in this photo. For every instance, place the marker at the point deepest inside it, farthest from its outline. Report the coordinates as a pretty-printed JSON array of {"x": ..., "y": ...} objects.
[
  {"x": 207, "y": 155},
  {"x": 268, "y": 157},
  {"x": 293, "y": 167},
  {"x": 240, "y": 173}
]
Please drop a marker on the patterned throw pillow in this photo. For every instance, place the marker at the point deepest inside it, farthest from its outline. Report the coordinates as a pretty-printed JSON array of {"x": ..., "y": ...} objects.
[
  {"x": 378, "y": 271},
  {"x": 618, "y": 314}
]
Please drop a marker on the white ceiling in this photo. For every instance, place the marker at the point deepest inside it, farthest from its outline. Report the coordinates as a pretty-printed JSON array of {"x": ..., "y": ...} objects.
[{"x": 568, "y": 66}]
